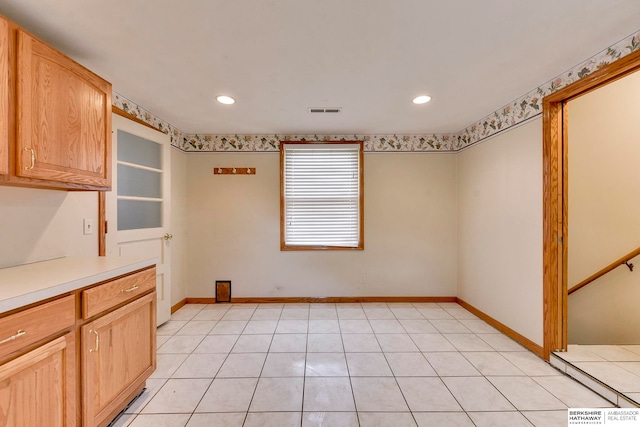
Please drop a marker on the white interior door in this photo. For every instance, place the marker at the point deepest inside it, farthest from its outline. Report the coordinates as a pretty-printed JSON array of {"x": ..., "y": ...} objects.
[{"x": 138, "y": 206}]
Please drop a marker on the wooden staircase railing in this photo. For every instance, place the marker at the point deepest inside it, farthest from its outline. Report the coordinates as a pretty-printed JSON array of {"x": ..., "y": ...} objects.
[{"x": 622, "y": 261}]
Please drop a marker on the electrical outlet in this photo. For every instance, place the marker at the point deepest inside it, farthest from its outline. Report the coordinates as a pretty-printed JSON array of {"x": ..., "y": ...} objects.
[
  {"x": 363, "y": 279},
  {"x": 87, "y": 224}
]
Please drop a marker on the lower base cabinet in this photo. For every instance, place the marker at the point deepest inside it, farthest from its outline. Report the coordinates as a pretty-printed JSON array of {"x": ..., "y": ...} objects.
[
  {"x": 38, "y": 388},
  {"x": 118, "y": 354},
  {"x": 78, "y": 360}
]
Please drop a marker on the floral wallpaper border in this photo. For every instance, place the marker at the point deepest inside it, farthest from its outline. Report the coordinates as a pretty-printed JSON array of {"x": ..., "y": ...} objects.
[
  {"x": 402, "y": 143},
  {"x": 177, "y": 136},
  {"x": 512, "y": 114},
  {"x": 530, "y": 105}
]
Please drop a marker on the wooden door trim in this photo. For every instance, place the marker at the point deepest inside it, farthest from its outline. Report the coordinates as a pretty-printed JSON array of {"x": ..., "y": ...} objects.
[
  {"x": 131, "y": 117},
  {"x": 555, "y": 121},
  {"x": 102, "y": 223}
]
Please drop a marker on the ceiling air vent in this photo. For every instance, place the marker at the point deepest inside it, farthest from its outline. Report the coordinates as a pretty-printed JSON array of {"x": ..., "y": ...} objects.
[{"x": 322, "y": 110}]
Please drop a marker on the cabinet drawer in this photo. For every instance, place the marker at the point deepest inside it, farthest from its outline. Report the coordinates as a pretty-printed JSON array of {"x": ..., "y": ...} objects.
[
  {"x": 103, "y": 297},
  {"x": 29, "y": 326}
]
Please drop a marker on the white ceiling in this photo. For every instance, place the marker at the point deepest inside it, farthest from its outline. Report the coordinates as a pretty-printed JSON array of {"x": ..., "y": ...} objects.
[{"x": 370, "y": 57}]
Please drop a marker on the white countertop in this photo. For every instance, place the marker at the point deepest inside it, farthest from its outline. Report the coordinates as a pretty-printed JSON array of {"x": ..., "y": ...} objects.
[{"x": 29, "y": 283}]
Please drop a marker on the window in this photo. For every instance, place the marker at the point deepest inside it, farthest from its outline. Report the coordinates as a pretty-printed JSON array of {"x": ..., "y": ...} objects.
[{"x": 321, "y": 195}]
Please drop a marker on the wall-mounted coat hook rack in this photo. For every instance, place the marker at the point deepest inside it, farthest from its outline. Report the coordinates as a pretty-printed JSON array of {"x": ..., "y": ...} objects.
[{"x": 234, "y": 171}]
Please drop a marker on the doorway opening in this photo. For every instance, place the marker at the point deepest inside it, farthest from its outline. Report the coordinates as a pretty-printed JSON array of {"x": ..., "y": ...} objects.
[
  {"x": 558, "y": 277},
  {"x": 555, "y": 195}
]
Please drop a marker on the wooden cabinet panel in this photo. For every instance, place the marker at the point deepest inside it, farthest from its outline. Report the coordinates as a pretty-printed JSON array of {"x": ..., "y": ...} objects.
[
  {"x": 55, "y": 117},
  {"x": 30, "y": 326},
  {"x": 4, "y": 95},
  {"x": 38, "y": 388},
  {"x": 118, "y": 354},
  {"x": 63, "y": 131},
  {"x": 104, "y": 297}
]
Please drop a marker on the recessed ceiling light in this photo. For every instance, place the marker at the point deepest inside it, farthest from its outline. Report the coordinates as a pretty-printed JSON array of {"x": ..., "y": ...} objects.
[
  {"x": 224, "y": 99},
  {"x": 422, "y": 99}
]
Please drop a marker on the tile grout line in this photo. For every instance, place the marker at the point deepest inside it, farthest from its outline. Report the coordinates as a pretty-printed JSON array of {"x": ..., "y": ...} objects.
[
  {"x": 264, "y": 362},
  {"x": 391, "y": 369},
  {"x": 212, "y": 379},
  {"x": 304, "y": 373},
  {"x": 494, "y": 350},
  {"x": 177, "y": 368},
  {"x": 344, "y": 351}
]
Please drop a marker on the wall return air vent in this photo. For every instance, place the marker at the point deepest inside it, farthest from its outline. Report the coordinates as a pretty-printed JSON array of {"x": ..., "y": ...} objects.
[{"x": 324, "y": 110}]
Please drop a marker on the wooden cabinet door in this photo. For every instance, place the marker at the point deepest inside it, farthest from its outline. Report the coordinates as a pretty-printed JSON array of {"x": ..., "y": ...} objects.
[
  {"x": 118, "y": 354},
  {"x": 4, "y": 95},
  {"x": 38, "y": 388},
  {"x": 64, "y": 117}
]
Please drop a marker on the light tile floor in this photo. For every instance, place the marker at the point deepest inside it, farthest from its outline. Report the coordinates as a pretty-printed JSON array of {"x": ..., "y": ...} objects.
[
  {"x": 617, "y": 366},
  {"x": 344, "y": 365}
]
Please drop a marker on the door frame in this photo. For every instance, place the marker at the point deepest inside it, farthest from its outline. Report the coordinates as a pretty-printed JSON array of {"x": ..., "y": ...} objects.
[
  {"x": 555, "y": 124},
  {"x": 140, "y": 241}
]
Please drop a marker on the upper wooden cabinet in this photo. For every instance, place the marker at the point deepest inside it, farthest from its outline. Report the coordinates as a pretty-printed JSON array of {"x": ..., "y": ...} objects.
[{"x": 59, "y": 121}]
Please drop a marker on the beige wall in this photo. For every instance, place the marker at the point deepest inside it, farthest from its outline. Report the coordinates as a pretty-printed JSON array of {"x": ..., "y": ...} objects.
[
  {"x": 604, "y": 207},
  {"x": 178, "y": 226},
  {"x": 410, "y": 231},
  {"x": 606, "y": 312},
  {"x": 42, "y": 224},
  {"x": 500, "y": 228}
]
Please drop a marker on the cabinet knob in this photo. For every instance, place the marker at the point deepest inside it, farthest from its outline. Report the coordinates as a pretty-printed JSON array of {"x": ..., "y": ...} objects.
[{"x": 168, "y": 236}]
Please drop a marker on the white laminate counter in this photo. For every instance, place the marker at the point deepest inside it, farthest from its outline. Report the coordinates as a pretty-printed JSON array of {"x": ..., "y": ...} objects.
[{"x": 30, "y": 283}]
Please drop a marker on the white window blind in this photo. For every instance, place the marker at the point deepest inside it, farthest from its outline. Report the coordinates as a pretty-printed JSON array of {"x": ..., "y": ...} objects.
[{"x": 321, "y": 195}]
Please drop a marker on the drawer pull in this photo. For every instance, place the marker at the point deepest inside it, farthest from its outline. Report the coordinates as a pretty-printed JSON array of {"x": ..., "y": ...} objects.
[
  {"x": 93, "y": 350},
  {"x": 13, "y": 337},
  {"x": 33, "y": 158},
  {"x": 131, "y": 289}
]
